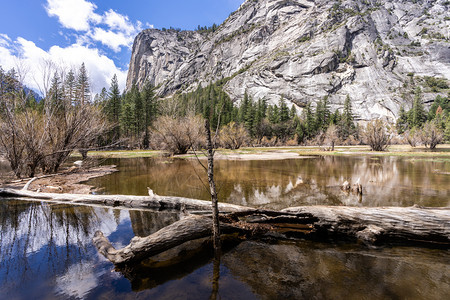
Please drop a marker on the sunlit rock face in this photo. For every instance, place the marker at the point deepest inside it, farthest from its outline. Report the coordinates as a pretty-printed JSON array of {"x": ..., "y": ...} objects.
[{"x": 305, "y": 50}]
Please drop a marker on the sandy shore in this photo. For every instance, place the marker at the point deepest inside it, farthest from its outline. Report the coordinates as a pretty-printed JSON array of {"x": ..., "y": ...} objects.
[
  {"x": 68, "y": 181},
  {"x": 266, "y": 155}
]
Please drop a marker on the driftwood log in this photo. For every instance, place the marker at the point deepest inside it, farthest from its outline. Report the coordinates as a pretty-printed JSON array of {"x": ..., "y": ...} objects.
[
  {"x": 390, "y": 225},
  {"x": 136, "y": 202},
  {"x": 371, "y": 225}
]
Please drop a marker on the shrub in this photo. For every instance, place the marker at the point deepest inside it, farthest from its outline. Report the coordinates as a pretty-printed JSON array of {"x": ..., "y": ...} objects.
[
  {"x": 431, "y": 134},
  {"x": 412, "y": 136},
  {"x": 377, "y": 135},
  {"x": 233, "y": 136},
  {"x": 178, "y": 134}
]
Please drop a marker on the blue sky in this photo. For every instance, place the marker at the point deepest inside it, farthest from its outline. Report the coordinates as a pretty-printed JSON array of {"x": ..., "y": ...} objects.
[{"x": 98, "y": 33}]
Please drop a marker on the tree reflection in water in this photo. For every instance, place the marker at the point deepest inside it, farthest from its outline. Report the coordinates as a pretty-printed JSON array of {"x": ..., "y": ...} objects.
[
  {"x": 46, "y": 252},
  {"x": 42, "y": 240},
  {"x": 48, "y": 247},
  {"x": 387, "y": 181}
]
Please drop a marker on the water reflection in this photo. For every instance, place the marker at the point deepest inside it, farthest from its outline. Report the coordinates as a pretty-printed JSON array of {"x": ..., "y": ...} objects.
[
  {"x": 48, "y": 247},
  {"x": 306, "y": 270},
  {"x": 387, "y": 181},
  {"x": 46, "y": 252}
]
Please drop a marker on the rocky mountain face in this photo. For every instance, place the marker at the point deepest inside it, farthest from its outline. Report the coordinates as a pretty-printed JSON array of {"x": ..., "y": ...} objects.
[{"x": 375, "y": 51}]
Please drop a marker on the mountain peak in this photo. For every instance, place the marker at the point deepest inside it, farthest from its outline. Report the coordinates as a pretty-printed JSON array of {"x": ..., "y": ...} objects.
[{"x": 376, "y": 52}]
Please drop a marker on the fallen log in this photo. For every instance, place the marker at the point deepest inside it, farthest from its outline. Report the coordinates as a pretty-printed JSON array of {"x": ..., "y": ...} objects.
[
  {"x": 407, "y": 225},
  {"x": 392, "y": 225},
  {"x": 185, "y": 230},
  {"x": 126, "y": 201},
  {"x": 371, "y": 225}
]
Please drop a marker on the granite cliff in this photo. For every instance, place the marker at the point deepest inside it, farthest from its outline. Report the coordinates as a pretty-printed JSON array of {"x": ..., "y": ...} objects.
[{"x": 375, "y": 51}]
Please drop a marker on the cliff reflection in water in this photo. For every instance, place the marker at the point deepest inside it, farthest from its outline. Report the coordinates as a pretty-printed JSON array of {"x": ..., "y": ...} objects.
[{"x": 387, "y": 181}]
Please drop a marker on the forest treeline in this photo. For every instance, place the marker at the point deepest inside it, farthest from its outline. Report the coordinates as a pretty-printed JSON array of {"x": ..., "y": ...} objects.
[
  {"x": 255, "y": 122},
  {"x": 38, "y": 133},
  {"x": 134, "y": 114}
]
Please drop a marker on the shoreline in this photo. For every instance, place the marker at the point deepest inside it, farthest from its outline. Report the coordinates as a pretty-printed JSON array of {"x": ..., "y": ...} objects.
[
  {"x": 72, "y": 180},
  {"x": 285, "y": 152},
  {"x": 68, "y": 181}
]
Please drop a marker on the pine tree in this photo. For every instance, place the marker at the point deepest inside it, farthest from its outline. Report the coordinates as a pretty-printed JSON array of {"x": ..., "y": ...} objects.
[
  {"x": 83, "y": 89},
  {"x": 127, "y": 117},
  {"x": 447, "y": 130},
  {"x": 70, "y": 87},
  {"x": 347, "y": 125},
  {"x": 335, "y": 118},
  {"x": 246, "y": 102},
  {"x": 417, "y": 115},
  {"x": 138, "y": 110},
  {"x": 309, "y": 125},
  {"x": 148, "y": 100},
  {"x": 322, "y": 114},
  {"x": 113, "y": 107},
  {"x": 402, "y": 121},
  {"x": 273, "y": 114},
  {"x": 299, "y": 130},
  {"x": 250, "y": 119},
  {"x": 56, "y": 96},
  {"x": 284, "y": 111},
  {"x": 292, "y": 112},
  {"x": 102, "y": 98}
]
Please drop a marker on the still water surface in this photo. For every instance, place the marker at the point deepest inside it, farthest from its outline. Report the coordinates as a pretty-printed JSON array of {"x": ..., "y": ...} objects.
[
  {"x": 46, "y": 249},
  {"x": 46, "y": 253},
  {"x": 387, "y": 181}
]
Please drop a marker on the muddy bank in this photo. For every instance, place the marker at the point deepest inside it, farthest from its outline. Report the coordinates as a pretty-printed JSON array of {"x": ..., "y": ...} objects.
[{"x": 68, "y": 181}]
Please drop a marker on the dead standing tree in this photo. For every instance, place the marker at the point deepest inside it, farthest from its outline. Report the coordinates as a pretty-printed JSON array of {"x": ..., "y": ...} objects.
[{"x": 212, "y": 187}]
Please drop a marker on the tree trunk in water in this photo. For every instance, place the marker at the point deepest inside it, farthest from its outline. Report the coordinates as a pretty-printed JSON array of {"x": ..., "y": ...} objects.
[
  {"x": 216, "y": 277},
  {"x": 212, "y": 188}
]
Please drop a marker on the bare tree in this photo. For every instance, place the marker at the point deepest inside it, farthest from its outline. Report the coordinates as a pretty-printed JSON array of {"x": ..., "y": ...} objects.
[
  {"x": 412, "y": 136},
  {"x": 431, "y": 134},
  {"x": 212, "y": 187},
  {"x": 331, "y": 136},
  {"x": 44, "y": 137},
  {"x": 233, "y": 136},
  {"x": 377, "y": 135},
  {"x": 177, "y": 134}
]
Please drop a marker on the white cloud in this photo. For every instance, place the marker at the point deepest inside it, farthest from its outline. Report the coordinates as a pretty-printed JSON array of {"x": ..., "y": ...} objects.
[
  {"x": 73, "y": 14},
  {"x": 118, "y": 22},
  {"x": 26, "y": 55},
  {"x": 4, "y": 39},
  {"x": 114, "y": 40},
  {"x": 112, "y": 29}
]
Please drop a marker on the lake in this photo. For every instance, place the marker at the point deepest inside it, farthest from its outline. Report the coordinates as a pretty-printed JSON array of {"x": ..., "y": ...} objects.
[
  {"x": 46, "y": 249},
  {"x": 277, "y": 184}
]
